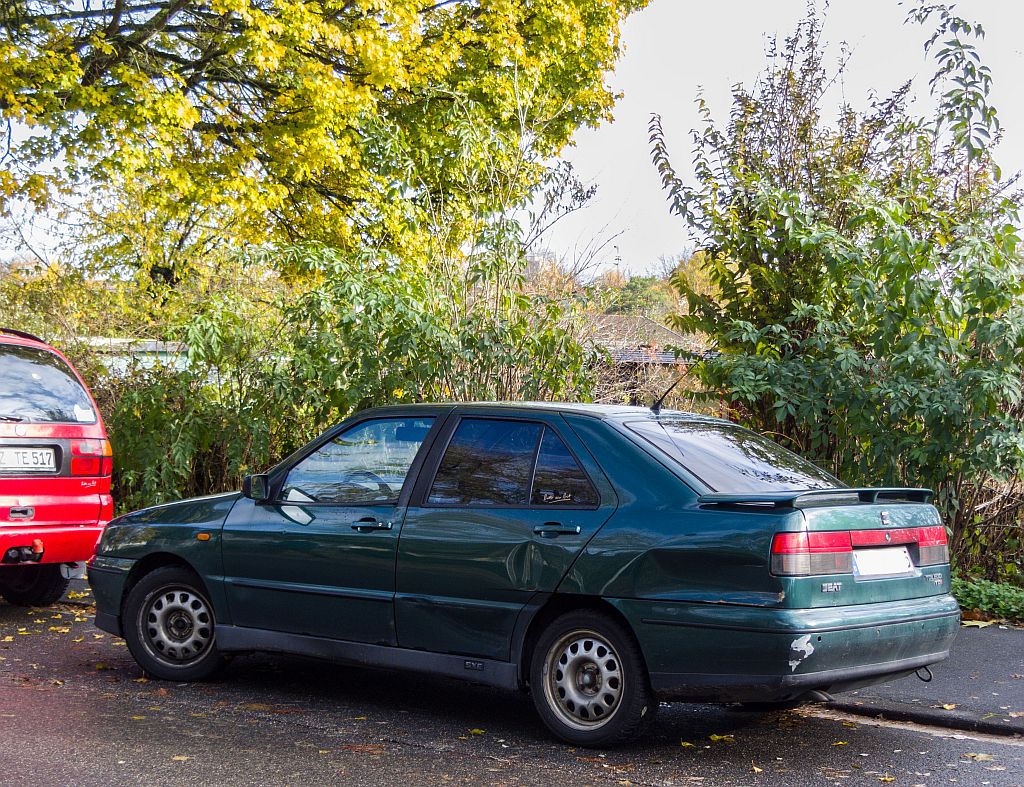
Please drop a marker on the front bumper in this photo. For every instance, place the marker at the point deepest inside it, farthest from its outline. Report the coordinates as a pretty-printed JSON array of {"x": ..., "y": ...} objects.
[
  {"x": 107, "y": 578},
  {"x": 726, "y": 653}
]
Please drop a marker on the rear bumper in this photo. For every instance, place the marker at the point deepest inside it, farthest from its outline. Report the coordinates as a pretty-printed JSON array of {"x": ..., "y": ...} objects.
[
  {"x": 722, "y": 653},
  {"x": 61, "y": 544}
]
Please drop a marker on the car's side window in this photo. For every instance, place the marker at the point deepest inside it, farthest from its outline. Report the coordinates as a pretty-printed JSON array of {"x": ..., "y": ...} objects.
[
  {"x": 488, "y": 462},
  {"x": 366, "y": 464},
  {"x": 559, "y": 480}
]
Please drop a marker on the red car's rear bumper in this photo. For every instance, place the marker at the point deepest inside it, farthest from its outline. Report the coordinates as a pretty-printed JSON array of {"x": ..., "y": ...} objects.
[{"x": 69, "y": 544}]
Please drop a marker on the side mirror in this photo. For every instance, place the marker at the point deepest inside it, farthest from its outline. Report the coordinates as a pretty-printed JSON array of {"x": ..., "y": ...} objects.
[{"x": 255, "y": 487}]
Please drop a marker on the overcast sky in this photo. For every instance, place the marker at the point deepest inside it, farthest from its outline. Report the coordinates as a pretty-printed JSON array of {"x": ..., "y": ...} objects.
[{"x": 674, "y": 47}]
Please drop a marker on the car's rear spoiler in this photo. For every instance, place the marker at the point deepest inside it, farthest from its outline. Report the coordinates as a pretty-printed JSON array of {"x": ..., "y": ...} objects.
[{"x": 817, "y": 497}]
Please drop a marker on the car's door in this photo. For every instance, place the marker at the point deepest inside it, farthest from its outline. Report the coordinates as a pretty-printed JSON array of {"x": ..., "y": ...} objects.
[
  {"x": 501, "y": 510},
  {"x": 318, "y": 558}
]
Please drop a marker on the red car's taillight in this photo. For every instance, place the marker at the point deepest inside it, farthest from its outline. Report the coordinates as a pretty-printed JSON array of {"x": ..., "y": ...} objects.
[{"x": 91, "y": 457}]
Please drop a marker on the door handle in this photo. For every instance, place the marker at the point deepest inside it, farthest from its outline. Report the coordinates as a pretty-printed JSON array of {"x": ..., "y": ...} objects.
[
  {"x": 552, "y": 529},
  {"x": 370, "y": 523},
  {"x": 22, "y": 512}
]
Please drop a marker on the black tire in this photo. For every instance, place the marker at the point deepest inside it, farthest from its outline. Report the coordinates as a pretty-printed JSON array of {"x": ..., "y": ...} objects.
[
  {"x": 589, "y": 682},
  {"x": 169, "y": 626},
  {"x": 33, "y": 585}
]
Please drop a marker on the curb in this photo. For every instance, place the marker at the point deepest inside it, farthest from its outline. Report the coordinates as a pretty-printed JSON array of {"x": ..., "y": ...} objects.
[{"x": 932, "y": 718}]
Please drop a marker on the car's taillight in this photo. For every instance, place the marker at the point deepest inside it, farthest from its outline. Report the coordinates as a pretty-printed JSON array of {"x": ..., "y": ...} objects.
[
  {"x": 933, "y": 546},
  {"x": 91, "y": 457},
  {"x": 803, "y": 554}
]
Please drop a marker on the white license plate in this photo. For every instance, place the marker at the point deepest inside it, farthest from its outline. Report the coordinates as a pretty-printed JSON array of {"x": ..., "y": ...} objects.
[
  {"x": 882, "y": 562},
  {"x": 32, "y": 460}
]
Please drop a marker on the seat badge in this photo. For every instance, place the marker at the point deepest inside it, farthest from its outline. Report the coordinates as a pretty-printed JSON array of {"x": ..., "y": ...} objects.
[{"x": 831, "y": 587}]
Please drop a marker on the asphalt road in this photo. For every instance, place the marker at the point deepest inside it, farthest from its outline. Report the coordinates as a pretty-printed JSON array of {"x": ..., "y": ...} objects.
[{"x": 75, "y": 709}]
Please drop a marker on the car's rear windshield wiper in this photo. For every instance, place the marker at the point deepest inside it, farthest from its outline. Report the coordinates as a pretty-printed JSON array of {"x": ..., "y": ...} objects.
[{"x": 11, "y": 419}]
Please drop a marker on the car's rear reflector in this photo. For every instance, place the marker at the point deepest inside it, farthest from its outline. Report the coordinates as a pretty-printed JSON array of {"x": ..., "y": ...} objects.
[
  {"x": 831, "y": 552},
  {"x": 91, "y": 458}
]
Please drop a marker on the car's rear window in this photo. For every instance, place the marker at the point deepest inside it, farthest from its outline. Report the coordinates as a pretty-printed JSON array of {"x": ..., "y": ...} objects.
[
  {"x": 37, "y": 386},
  {"x": 731, "y": 459}
]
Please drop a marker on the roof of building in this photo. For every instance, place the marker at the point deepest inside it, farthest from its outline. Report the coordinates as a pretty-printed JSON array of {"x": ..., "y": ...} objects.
[{"x": 637, "y": 339}]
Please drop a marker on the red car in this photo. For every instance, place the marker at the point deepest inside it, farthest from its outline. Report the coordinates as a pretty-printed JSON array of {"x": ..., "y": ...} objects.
[{"x": 55, "y": 465}]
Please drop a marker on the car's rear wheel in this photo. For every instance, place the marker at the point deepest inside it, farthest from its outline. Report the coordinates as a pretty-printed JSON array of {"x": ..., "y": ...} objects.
[
  {"x": 588, "y": 680},
  {"x": 169, "y": 626},
  {"x": 32, "y": 585}
]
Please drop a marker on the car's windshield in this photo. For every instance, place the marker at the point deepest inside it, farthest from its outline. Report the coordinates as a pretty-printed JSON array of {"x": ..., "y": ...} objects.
[
  {"x": 727, "y": 458},
  {"x": 36, "y": 385}
]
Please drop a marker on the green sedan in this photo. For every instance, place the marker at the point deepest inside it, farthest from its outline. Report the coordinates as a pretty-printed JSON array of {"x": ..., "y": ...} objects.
[{"x": 602, "y": 558}]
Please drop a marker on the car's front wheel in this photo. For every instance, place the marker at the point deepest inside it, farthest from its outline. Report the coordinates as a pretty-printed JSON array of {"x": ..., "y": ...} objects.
[
  {"x": 32, "y": 585},
  {"x": 589, "y": 682},
  {"x": 169, "y": 626}
]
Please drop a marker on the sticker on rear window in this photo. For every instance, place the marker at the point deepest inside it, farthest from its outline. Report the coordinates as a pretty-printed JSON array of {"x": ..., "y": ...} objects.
[{"x": 84, "y": 414}]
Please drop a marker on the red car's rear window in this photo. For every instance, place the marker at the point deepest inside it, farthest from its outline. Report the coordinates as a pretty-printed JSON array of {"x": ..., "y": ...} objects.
[{"x": 36, "y": 386}]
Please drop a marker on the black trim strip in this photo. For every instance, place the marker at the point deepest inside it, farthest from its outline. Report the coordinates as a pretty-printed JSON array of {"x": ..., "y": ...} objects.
[
  {"x": 313, "y": 590},
  {"x": 501, "y": 674},
  {"x": 786, "y": 630}
]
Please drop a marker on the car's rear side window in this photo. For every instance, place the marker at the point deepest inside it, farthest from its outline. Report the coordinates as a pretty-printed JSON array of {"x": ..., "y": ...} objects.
[
  {"x": 728, "y": 458},
  {"x": 559, "y": 480},
  {"x": 37, "y": 386},
  {"x": 487, "y": 463}
]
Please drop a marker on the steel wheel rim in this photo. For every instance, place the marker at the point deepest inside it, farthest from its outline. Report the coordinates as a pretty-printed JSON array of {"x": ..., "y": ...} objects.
[
  {"x": 583, "y": 679},
  {"x": 176, "y": 625}
]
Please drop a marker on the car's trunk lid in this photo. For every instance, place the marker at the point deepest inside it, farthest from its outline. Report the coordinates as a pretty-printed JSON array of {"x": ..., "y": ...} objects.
[{"x": 853, "y": 546}]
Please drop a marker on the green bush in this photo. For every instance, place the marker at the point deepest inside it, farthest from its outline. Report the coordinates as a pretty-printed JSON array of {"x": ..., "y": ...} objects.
[{"x": 995, "y": 599}]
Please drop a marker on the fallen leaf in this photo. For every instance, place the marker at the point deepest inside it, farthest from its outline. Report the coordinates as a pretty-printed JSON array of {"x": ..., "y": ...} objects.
[
  {"x": 726, "y": 738},
  {"x": 685, "y": 744},
  {"x": 979, "y": 757},
  {"x": 162, "y": 692},
  {"x": 60, "y": 629},
  {"x": 477, "y": 731},
  {"x": 180, "y": 757},
  {"x": 979, "y": 624},
  {"x": 8, "y": 638},
  {"x": 138, "y": 718},
  {"x": 755, "y": 769},
  {"x": 100, "y": 666},
  {"x": 365, "y": 748},
  {"x": 257, "y": 706},
  {"x": 141, "y": 680},
  {"x": 840, "y": 743},
  {"x": 57, "y": 682},
  {"x": 887, "y": 778}
]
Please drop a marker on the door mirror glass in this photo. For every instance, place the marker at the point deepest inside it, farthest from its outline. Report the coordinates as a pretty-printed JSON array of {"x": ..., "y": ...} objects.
[
  {"x": 255, "y": 487},
  {"x": 364, "y": 465}
]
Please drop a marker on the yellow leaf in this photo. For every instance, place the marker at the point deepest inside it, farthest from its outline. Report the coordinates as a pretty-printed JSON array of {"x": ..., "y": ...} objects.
[
  {"x": 886, "y": 778},
  {"x": 141, "y": 680},
  {"x": 180, "y": 758},
  {"x": 8, "y": 638},
  {"x": 979, "y": 624},
  {"x": 839, "y": 743},
  {"x": 755, "y": 769},
  {"x": 726, "y": 738},
  {"x": 979, "y": 757},
  {"x": 949, "y": 706},
  {"x": 138, "y": 718},
  {"x": 686, "y": 744},
  {"x": 476, "y": 731}
]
